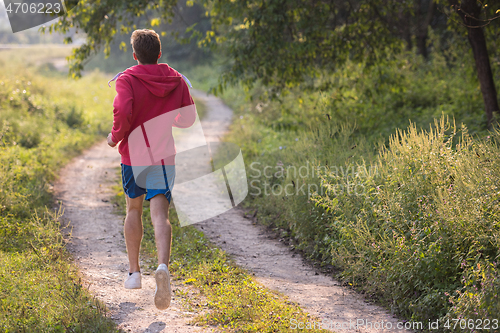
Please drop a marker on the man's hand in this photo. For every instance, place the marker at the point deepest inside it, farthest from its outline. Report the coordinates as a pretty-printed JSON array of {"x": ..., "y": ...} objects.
[{"x": 110, "y": 141}]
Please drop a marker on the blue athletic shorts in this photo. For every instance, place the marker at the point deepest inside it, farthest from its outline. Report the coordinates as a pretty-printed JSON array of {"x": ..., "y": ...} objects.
[{"x": 159, "y": 180}]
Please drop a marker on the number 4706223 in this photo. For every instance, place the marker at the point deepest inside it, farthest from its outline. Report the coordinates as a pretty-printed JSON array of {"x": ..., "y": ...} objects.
[
  {"x": 34, "y": 8},
  {"x": 478, "y": 324}
]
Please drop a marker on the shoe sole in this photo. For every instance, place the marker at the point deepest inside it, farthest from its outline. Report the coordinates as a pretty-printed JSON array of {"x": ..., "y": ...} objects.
[
  {"x": 163, "y": 292},
  {"x": 133, "y": 287},
  {"x": 130, "y": 285}
]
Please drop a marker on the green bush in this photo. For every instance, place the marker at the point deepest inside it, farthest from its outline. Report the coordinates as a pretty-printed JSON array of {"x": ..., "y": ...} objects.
[
  {"x": 427, "y": 216},
  {"x": 414, "y": 223},
  {"x": 478, "y": 300},
  {"x": 74, "y": 118},
  {"x": 40, "y": 290},
  {"x": 405, "y": 215}
]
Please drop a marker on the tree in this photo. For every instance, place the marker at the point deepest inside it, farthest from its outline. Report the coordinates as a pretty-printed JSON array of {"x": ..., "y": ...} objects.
[
  {"x": 424, "y": 13},
  {"x": 470, "y": 13},
  {"x": 263, "y": 38},
  {"x": 178, "y": 46},
  {"x": 312, "y": 34},
  {"x": 284, "y": 43},
  {"x": 103, "y": 20}
]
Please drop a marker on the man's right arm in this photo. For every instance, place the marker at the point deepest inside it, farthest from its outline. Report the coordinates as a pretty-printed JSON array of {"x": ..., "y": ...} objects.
[{"x": 122, "y": 109}]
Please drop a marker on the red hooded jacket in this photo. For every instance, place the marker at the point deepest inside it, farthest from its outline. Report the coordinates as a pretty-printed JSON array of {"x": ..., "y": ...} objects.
[{"x": 145, "y": 92}]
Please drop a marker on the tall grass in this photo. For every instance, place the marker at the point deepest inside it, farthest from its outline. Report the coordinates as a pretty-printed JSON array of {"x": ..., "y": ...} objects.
[
  {"x": 405, "y": 211},
  {"x": 44, "y": 122},
  {"x": 414, "y": 224}
]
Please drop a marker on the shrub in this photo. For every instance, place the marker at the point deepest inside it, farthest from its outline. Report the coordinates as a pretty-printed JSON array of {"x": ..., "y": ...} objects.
[
  {"x": 40, "y": 290},
  {"x": 426, "y": 209},
  {"x": 405, "y": 224},
  {"x": 74, "y": 118}
]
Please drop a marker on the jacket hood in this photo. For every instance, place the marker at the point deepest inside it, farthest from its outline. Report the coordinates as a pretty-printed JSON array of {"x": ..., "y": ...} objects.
[{"x": 159, "y": 79}]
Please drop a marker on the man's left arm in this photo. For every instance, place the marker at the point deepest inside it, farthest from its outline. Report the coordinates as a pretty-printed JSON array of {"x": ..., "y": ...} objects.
[{"x": 187, "y": 112}]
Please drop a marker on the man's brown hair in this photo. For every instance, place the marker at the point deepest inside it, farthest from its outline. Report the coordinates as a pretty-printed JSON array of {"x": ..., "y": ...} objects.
[{"x": 146, "y": 45}]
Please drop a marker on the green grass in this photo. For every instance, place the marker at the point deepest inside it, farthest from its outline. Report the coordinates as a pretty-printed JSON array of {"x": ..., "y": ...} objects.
[
  {"x": 407, "y": 213},
  {"x": 31, "y": 57},
  {"x": 201, "y": 109},
  {"x": 413, "y": 224},
  {"x": 44, "y": 122}
]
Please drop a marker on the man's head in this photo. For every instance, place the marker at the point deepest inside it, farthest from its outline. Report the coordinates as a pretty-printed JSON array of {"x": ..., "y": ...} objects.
[{"x": 146, "y": 45}]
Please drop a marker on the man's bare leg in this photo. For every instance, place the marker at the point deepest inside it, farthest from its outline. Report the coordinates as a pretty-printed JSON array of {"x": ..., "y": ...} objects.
[
  {"x": 133, "y": 231},
  {"x": 163, "y": 236},
  {"x": 163, "y": 230}
]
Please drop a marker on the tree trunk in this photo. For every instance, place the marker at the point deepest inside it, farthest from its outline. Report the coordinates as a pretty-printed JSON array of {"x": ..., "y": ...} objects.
[
  {"x": 469, "y": 12},
  {"x": 404, "y": 19},
  {"x": 422, "y": 25}
]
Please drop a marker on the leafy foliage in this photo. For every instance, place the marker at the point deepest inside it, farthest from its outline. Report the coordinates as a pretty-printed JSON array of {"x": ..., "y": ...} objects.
[
  {"x": 283, "y": 43},
  {"x": 41, "y": 128},
  {"x": 408, "y": 217},
  {"x": 179, "y": 47},
  {"x": 103, "y": 21}
]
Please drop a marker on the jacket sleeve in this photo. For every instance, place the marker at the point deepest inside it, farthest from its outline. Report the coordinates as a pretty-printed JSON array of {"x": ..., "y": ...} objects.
[
  {"x": 122, "y": 109},
  {"x": 187, "y": 112}
]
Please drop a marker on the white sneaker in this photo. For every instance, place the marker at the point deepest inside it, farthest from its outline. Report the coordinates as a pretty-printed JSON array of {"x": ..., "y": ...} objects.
[
  {"x": 163, "y": 292},
  {"x": 133, "y": 281}
]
